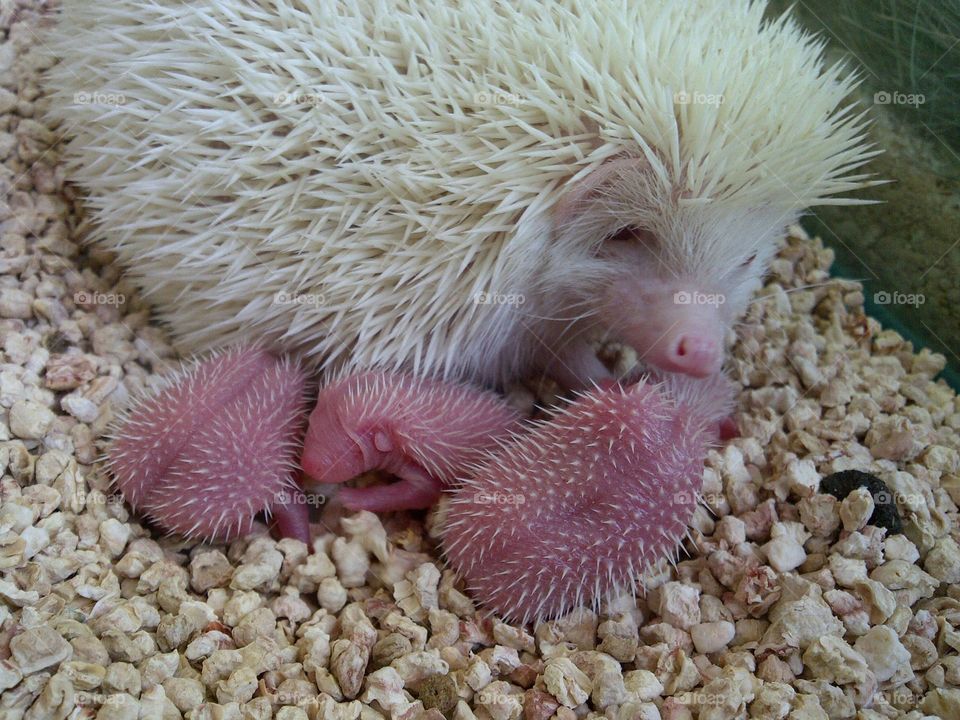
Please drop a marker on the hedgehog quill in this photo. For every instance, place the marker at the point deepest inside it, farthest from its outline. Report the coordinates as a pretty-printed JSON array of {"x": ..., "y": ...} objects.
[{"x": 462, "y": 192}]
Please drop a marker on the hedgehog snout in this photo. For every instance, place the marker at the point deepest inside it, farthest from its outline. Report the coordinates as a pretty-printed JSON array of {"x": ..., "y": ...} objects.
[
  {"x": 696, "y": 353},
  {"x": 332, "y": 453},
  {"x": 677, "y": 329}
]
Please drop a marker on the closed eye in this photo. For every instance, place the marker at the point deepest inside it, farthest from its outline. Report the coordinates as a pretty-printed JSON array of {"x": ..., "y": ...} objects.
[
  {"x": 631, "y": 233},
  {"x": 748, "y": 261}
]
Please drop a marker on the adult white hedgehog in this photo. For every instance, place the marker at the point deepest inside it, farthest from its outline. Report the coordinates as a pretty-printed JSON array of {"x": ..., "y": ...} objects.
[
  {"x": 467, "y": 189},
  {"x": 455, "y": 190}
]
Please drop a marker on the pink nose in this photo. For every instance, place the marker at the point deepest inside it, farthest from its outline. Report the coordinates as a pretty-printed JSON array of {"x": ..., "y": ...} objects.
[{"x": 692, "y": 354}]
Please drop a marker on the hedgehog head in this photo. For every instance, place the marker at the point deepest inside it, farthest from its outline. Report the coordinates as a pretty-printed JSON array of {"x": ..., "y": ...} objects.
[
  {"x": 690, "y": 176},
  {"x": 668, "y": 264},
  {"x": 660, "y": 268}
]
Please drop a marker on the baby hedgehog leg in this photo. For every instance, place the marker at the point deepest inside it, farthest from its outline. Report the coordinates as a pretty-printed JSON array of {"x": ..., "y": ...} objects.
[
  {"x": 578, "y": 507},
  {"x": 216, "y": 446},
  {"x": 423, "y": 431}
]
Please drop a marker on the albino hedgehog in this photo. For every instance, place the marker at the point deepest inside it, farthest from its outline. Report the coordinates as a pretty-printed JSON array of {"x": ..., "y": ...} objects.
[
  {"x": 353, "y": 179},
  {"x": 457, "y": 193}
]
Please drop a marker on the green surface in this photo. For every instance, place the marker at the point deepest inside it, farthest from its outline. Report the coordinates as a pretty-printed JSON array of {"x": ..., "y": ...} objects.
[
  {"x": 908, "y": 54},
  {"x": 893, "y": 321}
]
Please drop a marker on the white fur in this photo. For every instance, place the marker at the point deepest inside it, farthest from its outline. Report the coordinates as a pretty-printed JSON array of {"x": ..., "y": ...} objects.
[{"x": 399, "y": 192}]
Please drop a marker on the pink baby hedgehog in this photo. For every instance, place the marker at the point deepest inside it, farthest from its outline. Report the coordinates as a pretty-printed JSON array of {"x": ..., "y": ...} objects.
[
  {"x": 216, "y": 446},
  {"x": 422, "y": 431},
  {"x": 578, "y": 508},
  {"x": 541, "y": 518}
]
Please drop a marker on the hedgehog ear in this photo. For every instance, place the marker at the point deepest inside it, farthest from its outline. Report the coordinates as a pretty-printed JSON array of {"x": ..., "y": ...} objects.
[{"x": 583, "y": 195}]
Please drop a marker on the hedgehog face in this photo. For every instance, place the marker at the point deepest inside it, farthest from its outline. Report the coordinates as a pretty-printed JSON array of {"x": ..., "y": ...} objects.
[
  {"x": 677, "y": 270},
  {"x": 677, "y": 286},
  {"x": 676, "y": 320}
]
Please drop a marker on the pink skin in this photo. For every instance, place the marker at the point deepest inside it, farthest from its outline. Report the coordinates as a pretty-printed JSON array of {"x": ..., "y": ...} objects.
[
  {"x": 578, "y": 507},
  {"x": 653, "y": 267},
  {"x": 679, "y": 337},
  {"x": 678, "y": 323},
  {"x": 425, "y": 432},
  {"x": 214, "y": 448},
  {"x": 217, "y": 446},
  {"x": 607, "y": 486}
]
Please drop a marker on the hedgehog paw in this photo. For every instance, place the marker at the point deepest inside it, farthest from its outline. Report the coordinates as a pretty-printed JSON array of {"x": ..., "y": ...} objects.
[
  {"x": 215, "y": 446},
  {"x": 415, "y": 489},
  {"x": 423, "y": 431}
]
